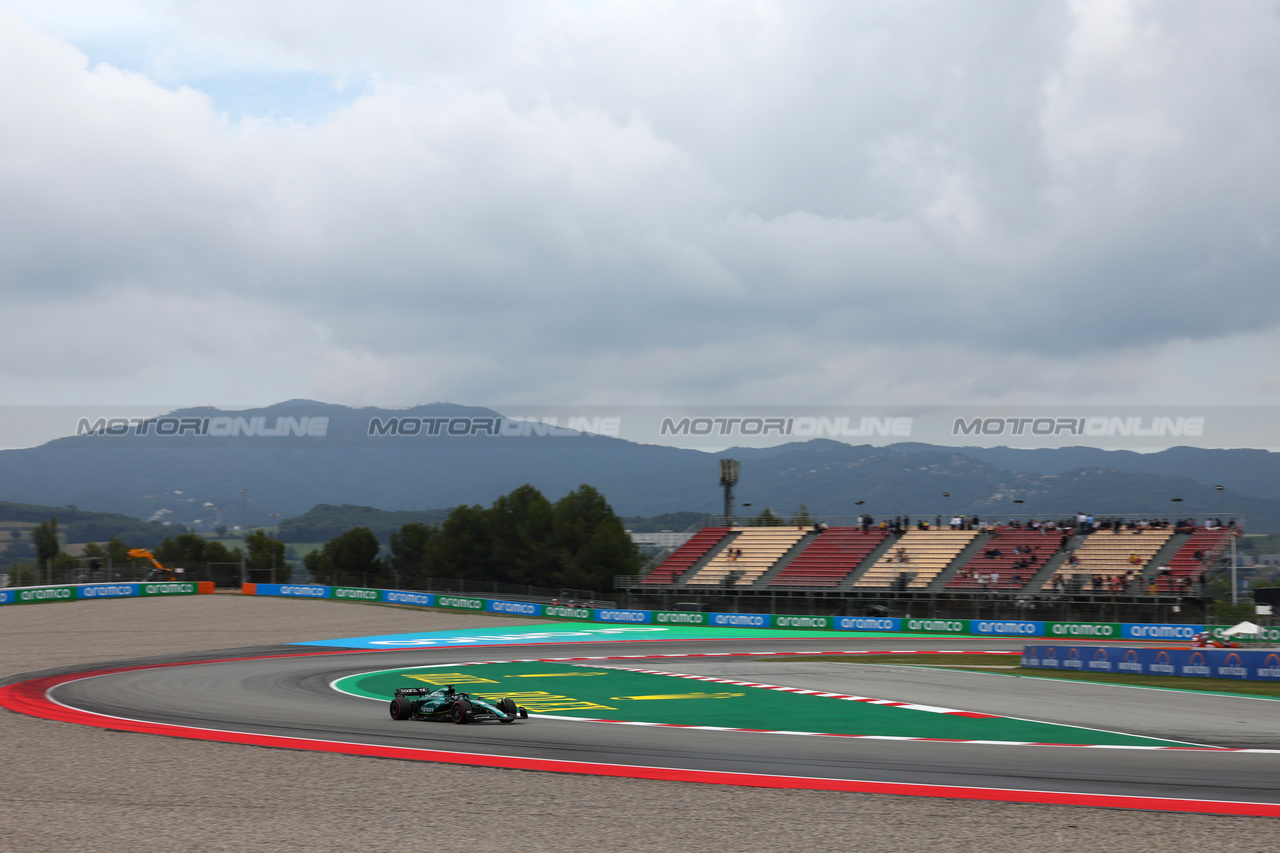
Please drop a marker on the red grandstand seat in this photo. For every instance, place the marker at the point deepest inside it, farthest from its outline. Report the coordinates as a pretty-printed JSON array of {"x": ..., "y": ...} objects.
[
  {"x": 830, "y": 558},
  {"x": 680, "y": 560}
]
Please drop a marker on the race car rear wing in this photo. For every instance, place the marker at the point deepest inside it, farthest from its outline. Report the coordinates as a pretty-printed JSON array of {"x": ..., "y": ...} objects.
[{"x": 414, "y": 691}]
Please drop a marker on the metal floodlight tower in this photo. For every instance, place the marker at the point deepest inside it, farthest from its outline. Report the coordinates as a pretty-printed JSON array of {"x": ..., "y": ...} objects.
[
  {"x": 729, "y": 469},
  {"x": 244, "y": 534}
]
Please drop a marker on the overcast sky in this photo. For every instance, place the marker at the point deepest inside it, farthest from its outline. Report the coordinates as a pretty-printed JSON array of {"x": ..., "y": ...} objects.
[{"x": 745, "y": 202}]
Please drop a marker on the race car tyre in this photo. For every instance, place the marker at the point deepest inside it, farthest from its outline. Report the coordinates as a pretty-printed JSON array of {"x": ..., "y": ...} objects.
[
  {"x": 507, "y": 705},
  {"x": 401, "y": 709},
  {"x": 461, "y": 713}
]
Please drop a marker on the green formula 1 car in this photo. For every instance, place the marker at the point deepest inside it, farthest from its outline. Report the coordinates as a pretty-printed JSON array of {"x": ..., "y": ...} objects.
[{"x": 447, "y": 704}]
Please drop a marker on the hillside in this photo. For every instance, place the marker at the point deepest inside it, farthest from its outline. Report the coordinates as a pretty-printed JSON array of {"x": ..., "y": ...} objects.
[{"x": 197, "y": 480}]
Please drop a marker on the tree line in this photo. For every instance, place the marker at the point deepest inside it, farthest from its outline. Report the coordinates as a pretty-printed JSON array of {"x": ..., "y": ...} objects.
[
  {"x": 577, "y": 542},
  {"x": 265, "y": 557},
  {"x": 523, "y": 538}
]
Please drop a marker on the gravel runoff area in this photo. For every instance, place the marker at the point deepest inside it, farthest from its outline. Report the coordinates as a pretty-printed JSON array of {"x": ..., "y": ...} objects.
[{"x": 72, "y": 788}]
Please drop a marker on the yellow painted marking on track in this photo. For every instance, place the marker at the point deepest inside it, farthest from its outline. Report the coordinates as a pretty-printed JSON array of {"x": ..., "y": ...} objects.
[
  {"x": 680, "y": 696},
  {"x": 540, "y": 700},
  {"x": 443, "y": 678}
]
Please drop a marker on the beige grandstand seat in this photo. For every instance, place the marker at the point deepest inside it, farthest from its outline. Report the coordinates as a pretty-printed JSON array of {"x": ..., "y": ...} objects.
[
  {"x": 761, "y": 547},
  {"x": 927, "y": 553},
  {"x": 1109, "y": 554}
]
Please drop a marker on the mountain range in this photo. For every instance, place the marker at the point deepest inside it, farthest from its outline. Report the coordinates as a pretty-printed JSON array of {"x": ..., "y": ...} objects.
[{"x": 192, "y": 466}]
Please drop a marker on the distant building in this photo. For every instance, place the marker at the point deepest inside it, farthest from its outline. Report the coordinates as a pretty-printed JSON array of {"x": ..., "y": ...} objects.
[{"x": 664, "y": 539}]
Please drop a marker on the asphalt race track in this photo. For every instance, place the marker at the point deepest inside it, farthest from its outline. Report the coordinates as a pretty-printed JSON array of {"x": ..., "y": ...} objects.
[{"x": 287, "y": 693}]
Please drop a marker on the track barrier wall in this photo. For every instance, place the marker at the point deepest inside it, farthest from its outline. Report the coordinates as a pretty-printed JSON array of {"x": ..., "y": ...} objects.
[
  {"x": 96, "y": 591},
  {"x": 835, "y": 624},
  {"x": 1238, "y": 664}
]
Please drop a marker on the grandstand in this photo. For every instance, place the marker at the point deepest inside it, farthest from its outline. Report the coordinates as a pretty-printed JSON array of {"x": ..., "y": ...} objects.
[
  {"x": 1114, "y": 554},
  {"x": 1012, "y": 555},
  {"x": 837, "y": 568},
  {"x": 751, "y": 553},
  {"x": 921, "y": 555},
  {"x": 1210, "y": 542},
  {"x": 831, "y": 558},
  {"x": 684, "y": 557}
]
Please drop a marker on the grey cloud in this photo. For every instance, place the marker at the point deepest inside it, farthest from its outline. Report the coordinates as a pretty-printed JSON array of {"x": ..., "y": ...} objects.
[{"x": 674, "y": 188}]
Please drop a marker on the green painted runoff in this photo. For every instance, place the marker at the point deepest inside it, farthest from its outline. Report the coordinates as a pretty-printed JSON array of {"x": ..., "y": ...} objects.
[{"x": 602, "y": 692}]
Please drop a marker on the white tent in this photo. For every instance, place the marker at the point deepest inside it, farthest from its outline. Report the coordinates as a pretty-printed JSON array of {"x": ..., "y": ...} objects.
[{"x": 1242, "y": 629}]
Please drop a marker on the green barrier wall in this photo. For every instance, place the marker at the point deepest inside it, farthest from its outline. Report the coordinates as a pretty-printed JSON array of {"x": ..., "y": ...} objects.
[
  {"x": 809, "y": 623},
  {"x": 953, "y": 627},
  {"x": 43, "y": 594},
  {"x": 1075, "y": 630},
  {"x": 455, "y": 602},
  {"x": 935, "y": 626},
  {"x": 672, "y": 617},
  {"x": 97, "y": 591},
  {"x": 354, "y": 593}
]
